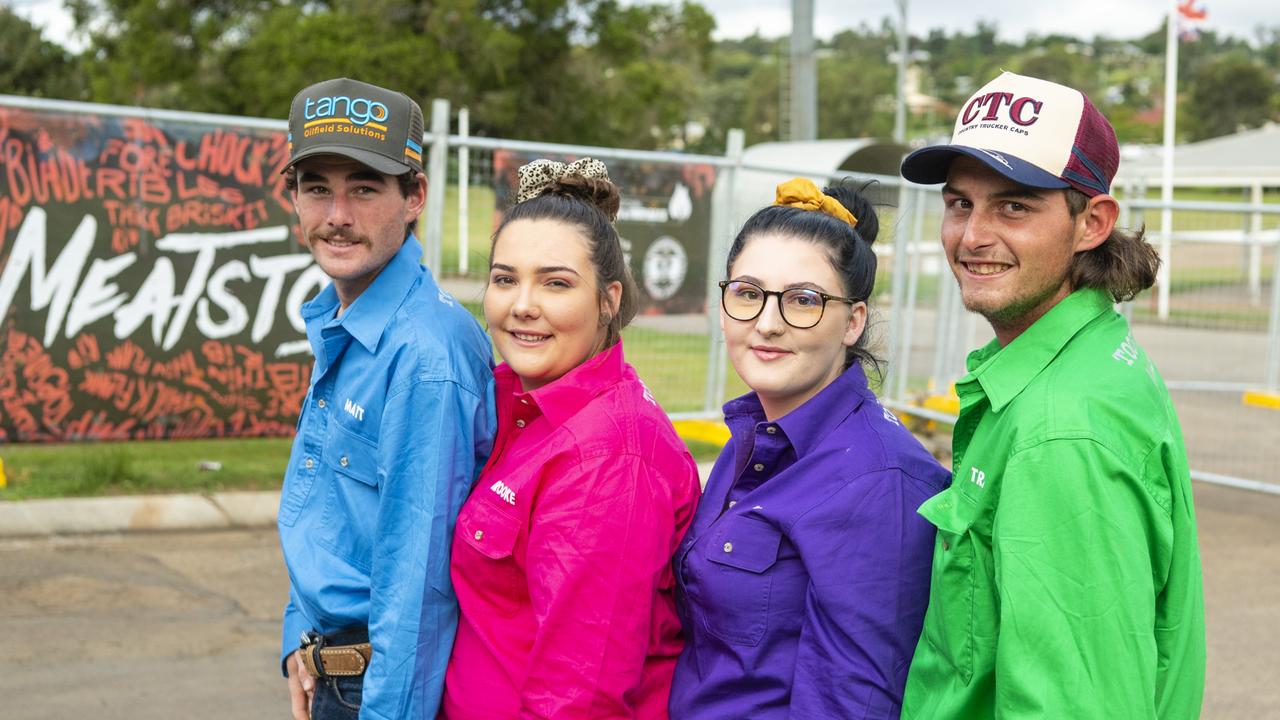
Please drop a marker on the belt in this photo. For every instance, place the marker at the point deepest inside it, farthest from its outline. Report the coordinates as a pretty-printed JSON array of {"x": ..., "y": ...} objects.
[{"x": 324, "y": 660}]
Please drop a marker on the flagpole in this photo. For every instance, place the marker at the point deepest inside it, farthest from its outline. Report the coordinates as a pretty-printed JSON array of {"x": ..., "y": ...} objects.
[{"x": 1166, "y": 184}]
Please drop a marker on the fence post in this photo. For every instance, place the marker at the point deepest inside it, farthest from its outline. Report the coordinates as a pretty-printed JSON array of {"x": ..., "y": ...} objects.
[
  {"x": 1126, "y": 221},
  {"x": 898, "y": 294},
  {"x": 464, "y": 190},
  {"x": 1165, "y": 275},
  {"x": 942, "y": 331},
  {"x": 1273, "y": 330},
  {"x": 437, "y": 177},
  {"x": 913, "y": 290},
  {"x": 721, "y": 225},
  {"x": 1255, "y": 246}
]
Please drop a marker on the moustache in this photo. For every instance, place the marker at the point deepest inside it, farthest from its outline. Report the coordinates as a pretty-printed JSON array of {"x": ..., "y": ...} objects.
[{"x": 319, "y": 236}]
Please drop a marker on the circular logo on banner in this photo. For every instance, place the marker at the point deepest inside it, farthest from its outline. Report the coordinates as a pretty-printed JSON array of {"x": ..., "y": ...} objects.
[{"x": 665, "y": 264}]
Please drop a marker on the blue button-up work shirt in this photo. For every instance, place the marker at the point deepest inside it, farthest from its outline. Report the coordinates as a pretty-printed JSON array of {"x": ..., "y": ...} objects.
[
  {"x": 804, "y": 579},
  {"x": 395, "y": 428}
]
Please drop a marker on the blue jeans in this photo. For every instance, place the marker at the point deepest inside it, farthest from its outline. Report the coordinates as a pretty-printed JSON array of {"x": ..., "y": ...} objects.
[{"x": 337, "y": 698}]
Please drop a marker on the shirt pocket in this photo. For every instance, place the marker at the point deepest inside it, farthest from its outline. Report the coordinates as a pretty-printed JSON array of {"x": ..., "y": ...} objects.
[
  {"x": 948, "y": 626},
  {"x": 742, "y": 553},
  {"x": 485, "y": 547},
  {"x": 349, "y": 520}
]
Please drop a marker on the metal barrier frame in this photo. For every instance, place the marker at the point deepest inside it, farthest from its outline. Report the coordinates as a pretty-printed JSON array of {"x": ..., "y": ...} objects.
[{"x": 907, "y": 243}]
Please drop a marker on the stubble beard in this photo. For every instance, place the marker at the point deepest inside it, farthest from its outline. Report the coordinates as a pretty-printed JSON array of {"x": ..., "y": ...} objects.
[{"x": 1016, "y": 313}]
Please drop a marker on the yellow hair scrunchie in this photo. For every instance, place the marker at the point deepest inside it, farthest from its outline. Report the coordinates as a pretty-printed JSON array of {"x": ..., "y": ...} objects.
[{"x": 802, "y": 193}]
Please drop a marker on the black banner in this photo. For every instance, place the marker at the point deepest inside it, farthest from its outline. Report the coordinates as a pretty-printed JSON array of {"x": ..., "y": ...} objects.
[
  {"x": 664, "y": 223},
  {"x": 150, "y": 279}
]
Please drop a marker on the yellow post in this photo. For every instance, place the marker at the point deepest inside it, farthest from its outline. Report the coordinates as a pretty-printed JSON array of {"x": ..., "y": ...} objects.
[{"x": 3, "y": 480}]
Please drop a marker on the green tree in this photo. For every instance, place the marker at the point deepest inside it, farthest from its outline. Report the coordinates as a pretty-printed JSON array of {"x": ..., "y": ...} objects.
[
  {"x": 857, "y": 85},
  {"x": 162, "y": 53},
  {"x": 31, "y": 65},
  {"x": 1065, "y": 62},
  {"x": 645, "y": 69},
  {"x": 1227, "y": 94}
]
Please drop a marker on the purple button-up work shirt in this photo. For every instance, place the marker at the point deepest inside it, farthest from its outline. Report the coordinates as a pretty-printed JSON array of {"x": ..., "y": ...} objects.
[{"x": 803, "y": 581}]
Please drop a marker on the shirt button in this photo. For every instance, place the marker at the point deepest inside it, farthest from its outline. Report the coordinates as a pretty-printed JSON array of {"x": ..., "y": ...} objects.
[
  {"x": 524, "y": 401},
  {"x": 728, "y": 547},
  {"x": 771, "y": 430},
  {"x": 342, "y": 461},
  {"x": 310, "y": 463},
  {"x": 732, "y": 503},
  {"x": 758, "y": 467},
  {"x": 519, "y": 423},
  {"x": 321, "y": 403},
  {"x": 479, "y": 534},
  {"x": 946, "y": 545}
]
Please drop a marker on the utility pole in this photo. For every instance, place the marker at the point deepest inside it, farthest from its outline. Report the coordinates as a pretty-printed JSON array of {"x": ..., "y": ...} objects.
[
  {"x": 900, "y": 112},
  {"x": 804, "y": 73}
]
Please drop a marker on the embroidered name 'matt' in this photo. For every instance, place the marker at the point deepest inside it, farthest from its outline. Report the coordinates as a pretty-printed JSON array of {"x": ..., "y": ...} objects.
[{"x": 354, "y": 410}]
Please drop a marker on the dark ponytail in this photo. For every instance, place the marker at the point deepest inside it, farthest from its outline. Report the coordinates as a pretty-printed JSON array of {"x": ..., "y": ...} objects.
[{"x": 1124, "y": 264}]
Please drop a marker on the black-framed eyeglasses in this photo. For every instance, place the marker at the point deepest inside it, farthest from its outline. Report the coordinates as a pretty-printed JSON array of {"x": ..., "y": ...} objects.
[{"x": 801, "y": 308}]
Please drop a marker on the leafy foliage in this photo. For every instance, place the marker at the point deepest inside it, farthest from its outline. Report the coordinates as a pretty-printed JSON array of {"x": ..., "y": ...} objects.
[
  {"x": 643, "y": 74},
  {"x": 31, "y": 65},
  {"x": 1229, "y": 93}
]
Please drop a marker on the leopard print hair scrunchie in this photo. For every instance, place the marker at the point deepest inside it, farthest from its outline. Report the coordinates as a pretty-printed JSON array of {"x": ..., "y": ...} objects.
[{"x": 540, "y": 174}]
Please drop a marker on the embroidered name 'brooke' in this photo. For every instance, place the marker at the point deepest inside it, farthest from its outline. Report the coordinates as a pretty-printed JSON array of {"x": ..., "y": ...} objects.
[{"x": 504, "y": 492}]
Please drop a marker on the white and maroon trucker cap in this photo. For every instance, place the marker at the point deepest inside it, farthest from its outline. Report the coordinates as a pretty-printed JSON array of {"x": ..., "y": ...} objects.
[{"x": 1034, "y": 132}]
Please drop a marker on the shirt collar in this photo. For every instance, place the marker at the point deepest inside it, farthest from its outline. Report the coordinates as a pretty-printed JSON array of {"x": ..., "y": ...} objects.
[
  {"x": 1002, "y": 373},
  {"x": 367, "y": 317},
  {"x": 807, "y": 425},
  {"x": 562, "y": 398}
]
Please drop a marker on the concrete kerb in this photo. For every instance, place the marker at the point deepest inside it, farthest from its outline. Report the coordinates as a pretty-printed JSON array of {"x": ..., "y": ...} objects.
[
  {"x": 138, "y": 513},
  {"x": 142, "y": 513}
]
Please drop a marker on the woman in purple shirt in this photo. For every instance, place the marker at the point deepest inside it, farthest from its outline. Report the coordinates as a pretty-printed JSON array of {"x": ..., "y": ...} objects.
[{"x": 804, "y": 578}]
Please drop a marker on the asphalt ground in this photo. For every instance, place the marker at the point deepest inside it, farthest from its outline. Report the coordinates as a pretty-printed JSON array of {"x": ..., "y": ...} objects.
[{"x": 185, "y": 624}]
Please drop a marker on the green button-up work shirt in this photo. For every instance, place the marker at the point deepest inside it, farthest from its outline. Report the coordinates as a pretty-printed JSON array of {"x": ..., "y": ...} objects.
[{"x": 1066, "y": 572}]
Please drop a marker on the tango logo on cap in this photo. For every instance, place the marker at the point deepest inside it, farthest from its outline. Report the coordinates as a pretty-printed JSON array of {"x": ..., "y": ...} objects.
[
  {"x": 360, "y": 111},
  {"x": 372, "y": 125}
]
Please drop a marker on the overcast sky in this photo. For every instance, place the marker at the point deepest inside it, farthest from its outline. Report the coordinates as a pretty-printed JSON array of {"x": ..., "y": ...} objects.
[{"x": 1015, "y": 19}]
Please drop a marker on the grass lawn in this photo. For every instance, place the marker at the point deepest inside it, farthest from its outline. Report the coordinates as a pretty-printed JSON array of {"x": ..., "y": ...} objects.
[
  {"x": 143, "y": 466},
  {"x": 161, "y": 466}
]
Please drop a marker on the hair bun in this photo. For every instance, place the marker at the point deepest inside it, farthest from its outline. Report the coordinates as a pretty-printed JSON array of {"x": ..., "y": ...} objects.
[
  {"x": 599, "y": 192},
  {"x": 855, "y": 200}
]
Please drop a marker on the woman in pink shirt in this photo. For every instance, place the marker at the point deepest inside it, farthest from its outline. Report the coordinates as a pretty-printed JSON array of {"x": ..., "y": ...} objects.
[{"x": 562, "y": 553}]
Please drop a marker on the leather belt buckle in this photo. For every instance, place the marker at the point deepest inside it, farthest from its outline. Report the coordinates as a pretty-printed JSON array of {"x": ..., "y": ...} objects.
[{"x": 322, "y": 660}]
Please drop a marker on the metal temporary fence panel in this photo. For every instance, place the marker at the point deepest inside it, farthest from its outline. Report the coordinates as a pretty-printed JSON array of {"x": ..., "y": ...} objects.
[{"x": 1215, "y": 334}]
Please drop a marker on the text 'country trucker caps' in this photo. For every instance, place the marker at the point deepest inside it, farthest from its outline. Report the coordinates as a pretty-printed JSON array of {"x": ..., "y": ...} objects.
[
  {"x": 372, "y": 125},
  {"x": 1034, "y": 132}
]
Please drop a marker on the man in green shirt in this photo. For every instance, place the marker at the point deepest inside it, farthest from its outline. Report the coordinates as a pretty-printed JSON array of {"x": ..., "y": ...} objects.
[{"x": 1066, "y": 574}]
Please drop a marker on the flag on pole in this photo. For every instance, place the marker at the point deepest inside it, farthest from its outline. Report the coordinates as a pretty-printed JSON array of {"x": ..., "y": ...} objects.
[{"x": 1189, "y": 19}]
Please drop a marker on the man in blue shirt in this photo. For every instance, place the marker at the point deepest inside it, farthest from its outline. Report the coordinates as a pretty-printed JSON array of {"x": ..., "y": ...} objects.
[{"x": 397, "y": 423}]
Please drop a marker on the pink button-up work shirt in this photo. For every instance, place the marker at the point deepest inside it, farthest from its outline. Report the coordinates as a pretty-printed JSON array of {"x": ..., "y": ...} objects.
[{"x": 562, "y": 553}]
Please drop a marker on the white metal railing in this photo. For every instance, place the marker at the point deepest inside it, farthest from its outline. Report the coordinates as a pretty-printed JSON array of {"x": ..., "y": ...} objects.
[{"x": 909, "y": 250}]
